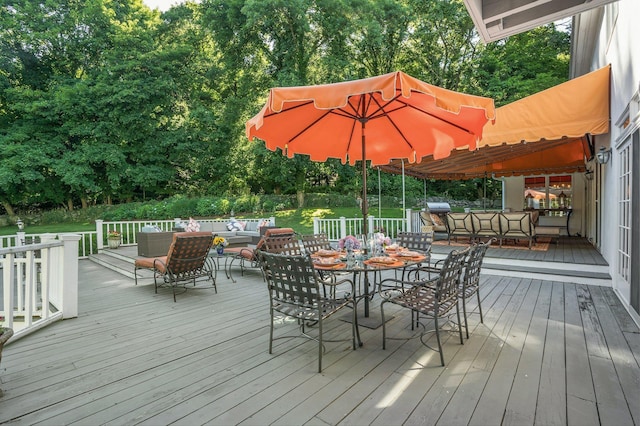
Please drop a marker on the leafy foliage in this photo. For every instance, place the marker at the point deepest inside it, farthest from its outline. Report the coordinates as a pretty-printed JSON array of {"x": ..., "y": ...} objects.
[{"x": 105, "y": 102}]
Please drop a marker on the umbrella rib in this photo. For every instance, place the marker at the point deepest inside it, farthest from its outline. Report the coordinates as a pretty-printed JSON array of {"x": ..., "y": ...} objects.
[
  {"x": 436, "y": 117},
  {"x": 313, "y": 123}
]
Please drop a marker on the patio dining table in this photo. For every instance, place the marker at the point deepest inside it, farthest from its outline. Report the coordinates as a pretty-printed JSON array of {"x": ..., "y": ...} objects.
[{"x": 363, "y": 263}]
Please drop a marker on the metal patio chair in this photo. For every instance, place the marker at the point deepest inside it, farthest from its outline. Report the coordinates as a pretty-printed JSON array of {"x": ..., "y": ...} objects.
[
  {"x": 470, "y": 282},
  {"x": 430, "y": 298},
  {"x": 186, "y": 262},
  {"x": 294, "y": 291}
]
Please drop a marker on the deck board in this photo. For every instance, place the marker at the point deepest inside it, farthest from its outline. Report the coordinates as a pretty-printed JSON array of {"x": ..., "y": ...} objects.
[
  {"x": 547, "y": 353},
  {"x": 551, "y": 406}
]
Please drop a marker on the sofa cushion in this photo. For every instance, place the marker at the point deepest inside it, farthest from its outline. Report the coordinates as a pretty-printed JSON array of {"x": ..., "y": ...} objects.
[
  {"x": 516, "y": 225},
  {"x": 459, "y": 224},
  {"x": 225, "y": 234},
  {"x": 248, "y": 233},
  {"x": 486, "y": 224},
  {"x": 218, "y": 226}
]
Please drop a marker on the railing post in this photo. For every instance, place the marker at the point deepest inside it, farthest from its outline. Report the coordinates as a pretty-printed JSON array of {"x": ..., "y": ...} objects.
[
  {"x": 371, "y": 227},
  {"x": 343, "y": 227},
  {"x": 316, "y": 225},
  {"x": 69, "y": 274},
  {"x": 9, "y": 292},
  {"x": 99, "y": 234},
  {"x": 408, "y": 225},
  {"x": 20, "y": 238}
]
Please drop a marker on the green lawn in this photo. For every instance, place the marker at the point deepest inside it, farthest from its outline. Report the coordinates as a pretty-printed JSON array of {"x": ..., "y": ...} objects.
[{"x": 301, "y": 220}]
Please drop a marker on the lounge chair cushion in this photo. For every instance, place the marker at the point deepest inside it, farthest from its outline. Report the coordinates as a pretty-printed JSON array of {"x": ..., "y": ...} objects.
[{"x": 148, "y": 262}]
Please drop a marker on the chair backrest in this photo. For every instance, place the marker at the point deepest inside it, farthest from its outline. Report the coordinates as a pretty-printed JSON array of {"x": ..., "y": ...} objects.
[
  {"x": 188, "y": 251},
  {"x": 473, "y": 264},
  {"x": 291, "y": 279},
  {"x": 314, "y": 242},
  {"x": 450, "y": 275},
  {"x": 282, "y": 244},
  {"x": 271, "y": 232},
  {"x": 420, "y": 241}
]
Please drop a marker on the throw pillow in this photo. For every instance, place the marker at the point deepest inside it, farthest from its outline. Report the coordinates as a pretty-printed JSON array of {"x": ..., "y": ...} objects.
[
  {"x": 437, "y": 221},
  {"x": 264, "y": 222},
  {"x": 234, "y": 226},
  {"x": 193, "y": 225}
]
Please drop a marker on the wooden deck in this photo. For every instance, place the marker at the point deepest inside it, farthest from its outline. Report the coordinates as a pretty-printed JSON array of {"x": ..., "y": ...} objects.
[{"x": 548, "y": 353}]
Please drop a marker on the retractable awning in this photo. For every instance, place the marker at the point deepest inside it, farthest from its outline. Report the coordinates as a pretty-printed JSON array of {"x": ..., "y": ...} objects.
[{"x": 545, "y": 133}]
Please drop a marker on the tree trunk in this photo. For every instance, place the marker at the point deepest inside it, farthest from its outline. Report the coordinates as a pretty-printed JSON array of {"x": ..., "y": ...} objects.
[
  {"x": 70, "y": 204},
  {"x": 8, "y": 208},
  {"x": 300, "y": 196},
  {"x": 84, "y": 202}
]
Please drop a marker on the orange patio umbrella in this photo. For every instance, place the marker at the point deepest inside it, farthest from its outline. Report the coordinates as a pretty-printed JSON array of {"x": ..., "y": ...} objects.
[{"x": 377, "y": 119}]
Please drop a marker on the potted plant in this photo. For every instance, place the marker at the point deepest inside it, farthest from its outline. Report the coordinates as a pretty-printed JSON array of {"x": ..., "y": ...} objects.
[
  {"x": 113, "y": 239},
  {"x": 219, "y": 243},
  {"x": 5, "y": 334}
]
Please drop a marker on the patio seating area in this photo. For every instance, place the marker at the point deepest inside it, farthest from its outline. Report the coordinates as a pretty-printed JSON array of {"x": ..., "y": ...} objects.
[{"x": 548, "y": 352}]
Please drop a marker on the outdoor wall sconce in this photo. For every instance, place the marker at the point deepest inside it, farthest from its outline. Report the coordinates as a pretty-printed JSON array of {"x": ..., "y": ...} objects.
[
  {"x": 603, "y": 155},
  {"x": 20, "y": 224}
]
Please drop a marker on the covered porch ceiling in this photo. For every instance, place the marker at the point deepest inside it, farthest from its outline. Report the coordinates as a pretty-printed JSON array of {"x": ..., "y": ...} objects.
[
  {"x": 497, "y": 19},
  {"x": 545, "y": 133}
]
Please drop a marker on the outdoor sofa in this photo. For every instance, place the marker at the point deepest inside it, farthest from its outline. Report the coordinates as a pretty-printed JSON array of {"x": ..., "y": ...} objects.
[
  {"x": 499, "y": 225},
  {"x": 237, "y": 233}
]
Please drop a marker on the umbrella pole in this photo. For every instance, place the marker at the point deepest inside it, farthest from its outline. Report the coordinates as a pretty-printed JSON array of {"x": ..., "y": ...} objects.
[
  {"x": 365, "y": 213},
  {"x": 365, "y": 202}
]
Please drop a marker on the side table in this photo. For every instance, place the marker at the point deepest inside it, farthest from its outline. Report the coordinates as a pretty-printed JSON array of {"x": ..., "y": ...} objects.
[{"x": 213, "y": 254}]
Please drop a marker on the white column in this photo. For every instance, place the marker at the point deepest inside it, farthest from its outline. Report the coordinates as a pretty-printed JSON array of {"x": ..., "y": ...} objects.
[
  {"x": 69, "y": 277},
  {"x": 99, "y": 234}
]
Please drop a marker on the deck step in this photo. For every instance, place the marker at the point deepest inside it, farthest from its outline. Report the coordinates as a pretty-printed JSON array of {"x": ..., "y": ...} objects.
[
  {"x": 119, "y": 263},
  {"x": 551, "y": 271}
]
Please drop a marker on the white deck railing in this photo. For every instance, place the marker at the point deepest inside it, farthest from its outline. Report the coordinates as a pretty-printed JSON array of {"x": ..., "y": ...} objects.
[
  {"x": 341, "y": 227},
  {"x": 39, "y": 283}
]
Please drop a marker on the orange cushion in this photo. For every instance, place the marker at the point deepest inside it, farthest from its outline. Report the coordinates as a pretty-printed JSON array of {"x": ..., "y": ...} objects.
[
  {"x": 245, "y": 252},
  {"x": 150, "y": 263}
]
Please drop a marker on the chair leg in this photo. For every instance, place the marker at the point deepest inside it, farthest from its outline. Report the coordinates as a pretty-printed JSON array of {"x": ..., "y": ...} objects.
[
  {"x": 271, "y": 332},
  {"x": 384, "y": 328},
  {"x": 479, "y": 305},
  {"x": 320, "y": 344},
  {"x": 464, "y": 311},
  {"x": 355, "y": 330},
  {"x": 465, "y": 318},
  {"x": 438, "y": 339}
]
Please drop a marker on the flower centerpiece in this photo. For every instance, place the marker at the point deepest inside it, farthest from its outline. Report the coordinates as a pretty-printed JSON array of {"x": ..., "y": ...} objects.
[
  {"x": 113, "y": 239},
  {"x": 349, "y": 243},
  {"x": 378, "y": 242},
  {"x": 219, "y": 243}
]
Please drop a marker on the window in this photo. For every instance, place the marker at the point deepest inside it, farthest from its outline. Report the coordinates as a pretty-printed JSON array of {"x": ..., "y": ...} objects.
[{"x": 548, "y": 192}]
